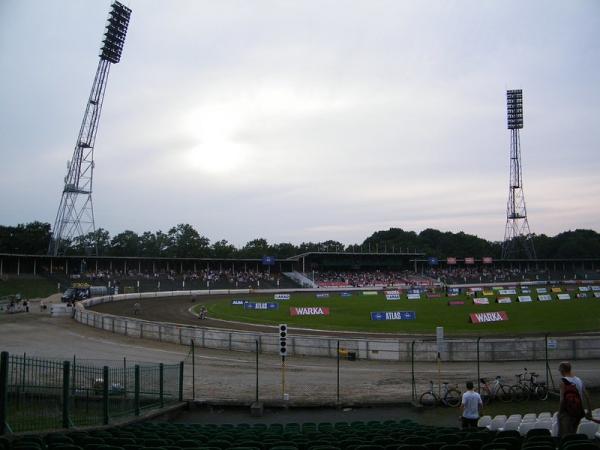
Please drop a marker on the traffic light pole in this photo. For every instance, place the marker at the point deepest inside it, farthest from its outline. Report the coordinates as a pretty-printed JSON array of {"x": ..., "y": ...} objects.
[{"x": 283, "y": 377}]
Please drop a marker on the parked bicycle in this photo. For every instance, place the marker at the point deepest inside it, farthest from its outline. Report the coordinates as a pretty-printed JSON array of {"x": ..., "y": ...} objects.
[
  {"x": 449, "y": 396},
  {"x": 528, "y": 388},
  {"x": 494, "y": 391}
]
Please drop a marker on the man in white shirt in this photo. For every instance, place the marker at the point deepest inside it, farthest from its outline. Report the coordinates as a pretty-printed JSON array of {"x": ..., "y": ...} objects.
[{"x": 471, "y": 407}]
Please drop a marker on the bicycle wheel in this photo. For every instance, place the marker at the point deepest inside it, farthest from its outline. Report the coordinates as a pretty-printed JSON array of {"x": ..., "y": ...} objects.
[
  {"x": 452, "y": 398},
  {"x": 428, "y": 400},
  {"x": 503, "y": 393},
  {"x": 517, "y": 393},
  {"x": 541, "y": 392}
]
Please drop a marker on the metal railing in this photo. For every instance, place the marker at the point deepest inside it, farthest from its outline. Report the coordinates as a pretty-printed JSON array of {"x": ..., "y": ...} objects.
[{"x": 42, "y": 394}]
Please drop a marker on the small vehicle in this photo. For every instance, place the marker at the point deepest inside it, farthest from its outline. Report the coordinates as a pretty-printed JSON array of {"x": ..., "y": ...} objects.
[
  {"x": 81, "y": 291},
  {"x": 449, "y": 396}
]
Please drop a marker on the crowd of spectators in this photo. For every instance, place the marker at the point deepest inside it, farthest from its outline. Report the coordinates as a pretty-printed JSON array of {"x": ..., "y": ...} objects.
[
  {"x": 377, "y": 278},
  {"x": 207, "y": 278},
  {"x": 454, "y": 275}
]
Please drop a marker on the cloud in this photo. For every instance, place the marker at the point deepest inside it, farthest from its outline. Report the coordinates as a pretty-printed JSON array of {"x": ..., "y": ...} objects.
[{"x": 305, "y": 120}]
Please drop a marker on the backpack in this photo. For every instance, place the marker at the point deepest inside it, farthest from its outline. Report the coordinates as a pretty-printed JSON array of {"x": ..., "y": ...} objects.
[{"x": 572, "y": 403}]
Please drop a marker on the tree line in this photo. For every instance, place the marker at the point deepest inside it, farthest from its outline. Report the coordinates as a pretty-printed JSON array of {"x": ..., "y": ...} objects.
[{"x": 184, "y": 240}]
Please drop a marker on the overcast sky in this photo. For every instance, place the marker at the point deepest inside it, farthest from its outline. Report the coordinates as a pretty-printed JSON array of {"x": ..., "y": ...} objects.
[{"x": 306, "y": 120}]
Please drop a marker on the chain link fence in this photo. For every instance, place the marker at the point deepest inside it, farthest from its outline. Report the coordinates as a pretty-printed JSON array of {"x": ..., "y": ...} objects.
[
  {"x": 43, "y": 393},
  {"x": 346, "y": 379}
]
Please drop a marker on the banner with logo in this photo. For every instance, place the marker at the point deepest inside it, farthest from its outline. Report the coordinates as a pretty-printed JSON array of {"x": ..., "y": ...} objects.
[
  {"x": 309, "y": 311},
  {"x": 470, "y": 260},
  {"x": 392, "y": 295},
  {"x": 322, "y": 295},
  {"x": 596, "y": 288},
  {"x": 451, "y": 261},
  {"x": 476, "y": 289},
  {"x": 432, "y": 261},
  {"x": 507, "y": 292},
  {"x": 238, "y": 302},
  {"x": 413, "y": 296},
  {"x": 544, "y": 297},
  {"x": 564, "y": 296},
  {"x": 453, "y": 292},
  {"x": 597, "y": 294},
  {"x": 434, "y": 295},
  {"x": 369, "y": 293},
  {"x": 345, "y": 294},
  {"x": 525, "y": 291},
  {"x": 541, "y": 290},
  {"x": 261, "y": 306},
  {"x": 282, "y": 296},
  {"x": 268, "y": 260},
  {"x": 456, "y": 303},
  {"x": 394, "y": 315},
  {"x": 581, "y": 295},
  {"x": 584, "y": 289},
  {"x": 504, "y": 300},
  {"x": 525, "y": 299},
  {"x": 488, "y": 260},
  {"x": 556, "y": 290},
  {"x": 481, "y": 301},
  {"x": 487, "y": 317},
  {"x": 488, "y": 293}
]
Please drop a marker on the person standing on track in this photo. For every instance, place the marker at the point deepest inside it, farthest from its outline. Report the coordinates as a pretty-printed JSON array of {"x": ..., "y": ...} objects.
[{"x": 470, "y": 406}]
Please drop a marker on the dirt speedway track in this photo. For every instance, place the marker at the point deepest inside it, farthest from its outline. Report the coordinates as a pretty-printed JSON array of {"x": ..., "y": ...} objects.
[{"x": 176, "y": 310}]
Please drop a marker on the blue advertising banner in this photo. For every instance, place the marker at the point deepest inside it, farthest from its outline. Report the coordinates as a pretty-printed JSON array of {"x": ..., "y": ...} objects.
[
  {"x": 345, "y": 294},
  {"x": 268, "y": 260},
  {"x": 432, "y": 261},
  {"x": 394, "y": 315},
  {"x": 238, "y": 302},
  {"x": 261, "y": 306},
  {"x": 322, "y": 295}
]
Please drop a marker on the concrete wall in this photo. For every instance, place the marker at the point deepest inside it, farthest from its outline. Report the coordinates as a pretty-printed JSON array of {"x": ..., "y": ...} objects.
[{"x": 490, "y": 349}]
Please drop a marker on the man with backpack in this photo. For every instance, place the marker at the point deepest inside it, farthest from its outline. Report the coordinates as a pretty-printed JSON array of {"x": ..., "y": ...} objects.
[{"x": 572, "y": 392}]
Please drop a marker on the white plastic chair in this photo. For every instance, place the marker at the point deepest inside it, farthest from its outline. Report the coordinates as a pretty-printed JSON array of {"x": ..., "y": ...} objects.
[
  {"x": 545, "y": 415},
  {"x": 497, "y": 423},
  {"x": 510, "y": 425},
  {"x": 484, "y": 421},
  {"x": 544, "y": 423},
  {"x": 515, "y": 417},
  {"x": 525, "y": 427},
  {"x": 588, "y": 428},
  {"x": 529, "y": 417}
]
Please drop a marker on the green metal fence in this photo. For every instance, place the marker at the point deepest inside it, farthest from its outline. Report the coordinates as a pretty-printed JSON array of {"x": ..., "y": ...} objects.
[{"x": 42, "y": 394}]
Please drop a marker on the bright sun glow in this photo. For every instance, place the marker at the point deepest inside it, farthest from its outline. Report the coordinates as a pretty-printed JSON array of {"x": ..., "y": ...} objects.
[{"x": 218, "y": 149}]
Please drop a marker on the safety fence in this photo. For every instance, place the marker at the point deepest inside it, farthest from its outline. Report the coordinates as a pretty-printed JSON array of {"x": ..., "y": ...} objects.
[
  {"x": 346, "y": 380},
  {"x": 41, "y": 394},
  {"x": 455, "y": 349}
]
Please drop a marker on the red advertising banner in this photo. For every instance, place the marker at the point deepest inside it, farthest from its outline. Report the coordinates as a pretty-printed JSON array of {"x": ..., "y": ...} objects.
[
  {"x": 470, "y": 260},
  {"x": 333, "y": 284},
  {"x": 487, "y": 317},
  {"x": 456, "y": 303},
  {"x": 488, "y": 260},
  {"x": 309, "y": 311},
  {"x": 450, "y": 260}
]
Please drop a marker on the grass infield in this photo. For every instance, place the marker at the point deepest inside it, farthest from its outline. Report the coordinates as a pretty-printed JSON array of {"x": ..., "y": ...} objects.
[{"x": 353, "y": 314}]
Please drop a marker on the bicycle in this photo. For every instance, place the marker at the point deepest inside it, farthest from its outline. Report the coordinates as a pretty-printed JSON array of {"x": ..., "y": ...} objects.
[
  {"x": 450, "y": 396},
  {"x": 527, "y": 387},
  {"x": 497, "y": 390}
]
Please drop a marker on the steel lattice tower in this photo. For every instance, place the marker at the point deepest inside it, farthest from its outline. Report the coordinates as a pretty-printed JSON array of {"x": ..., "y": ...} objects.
[
  {"x": 75, "y": 216},
  {"x": 517, "y": 236}
]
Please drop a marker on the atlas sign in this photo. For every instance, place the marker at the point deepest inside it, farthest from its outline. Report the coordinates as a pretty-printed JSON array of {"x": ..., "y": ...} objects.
[
  {"x": 309, "y": 311},
  {"x": 486, "y": 317}
]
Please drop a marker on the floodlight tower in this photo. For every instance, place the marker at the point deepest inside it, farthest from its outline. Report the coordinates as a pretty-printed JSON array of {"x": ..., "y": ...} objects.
[
  {"x": 75, "y": 216},
  {"x": 517, "y": 235}
]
